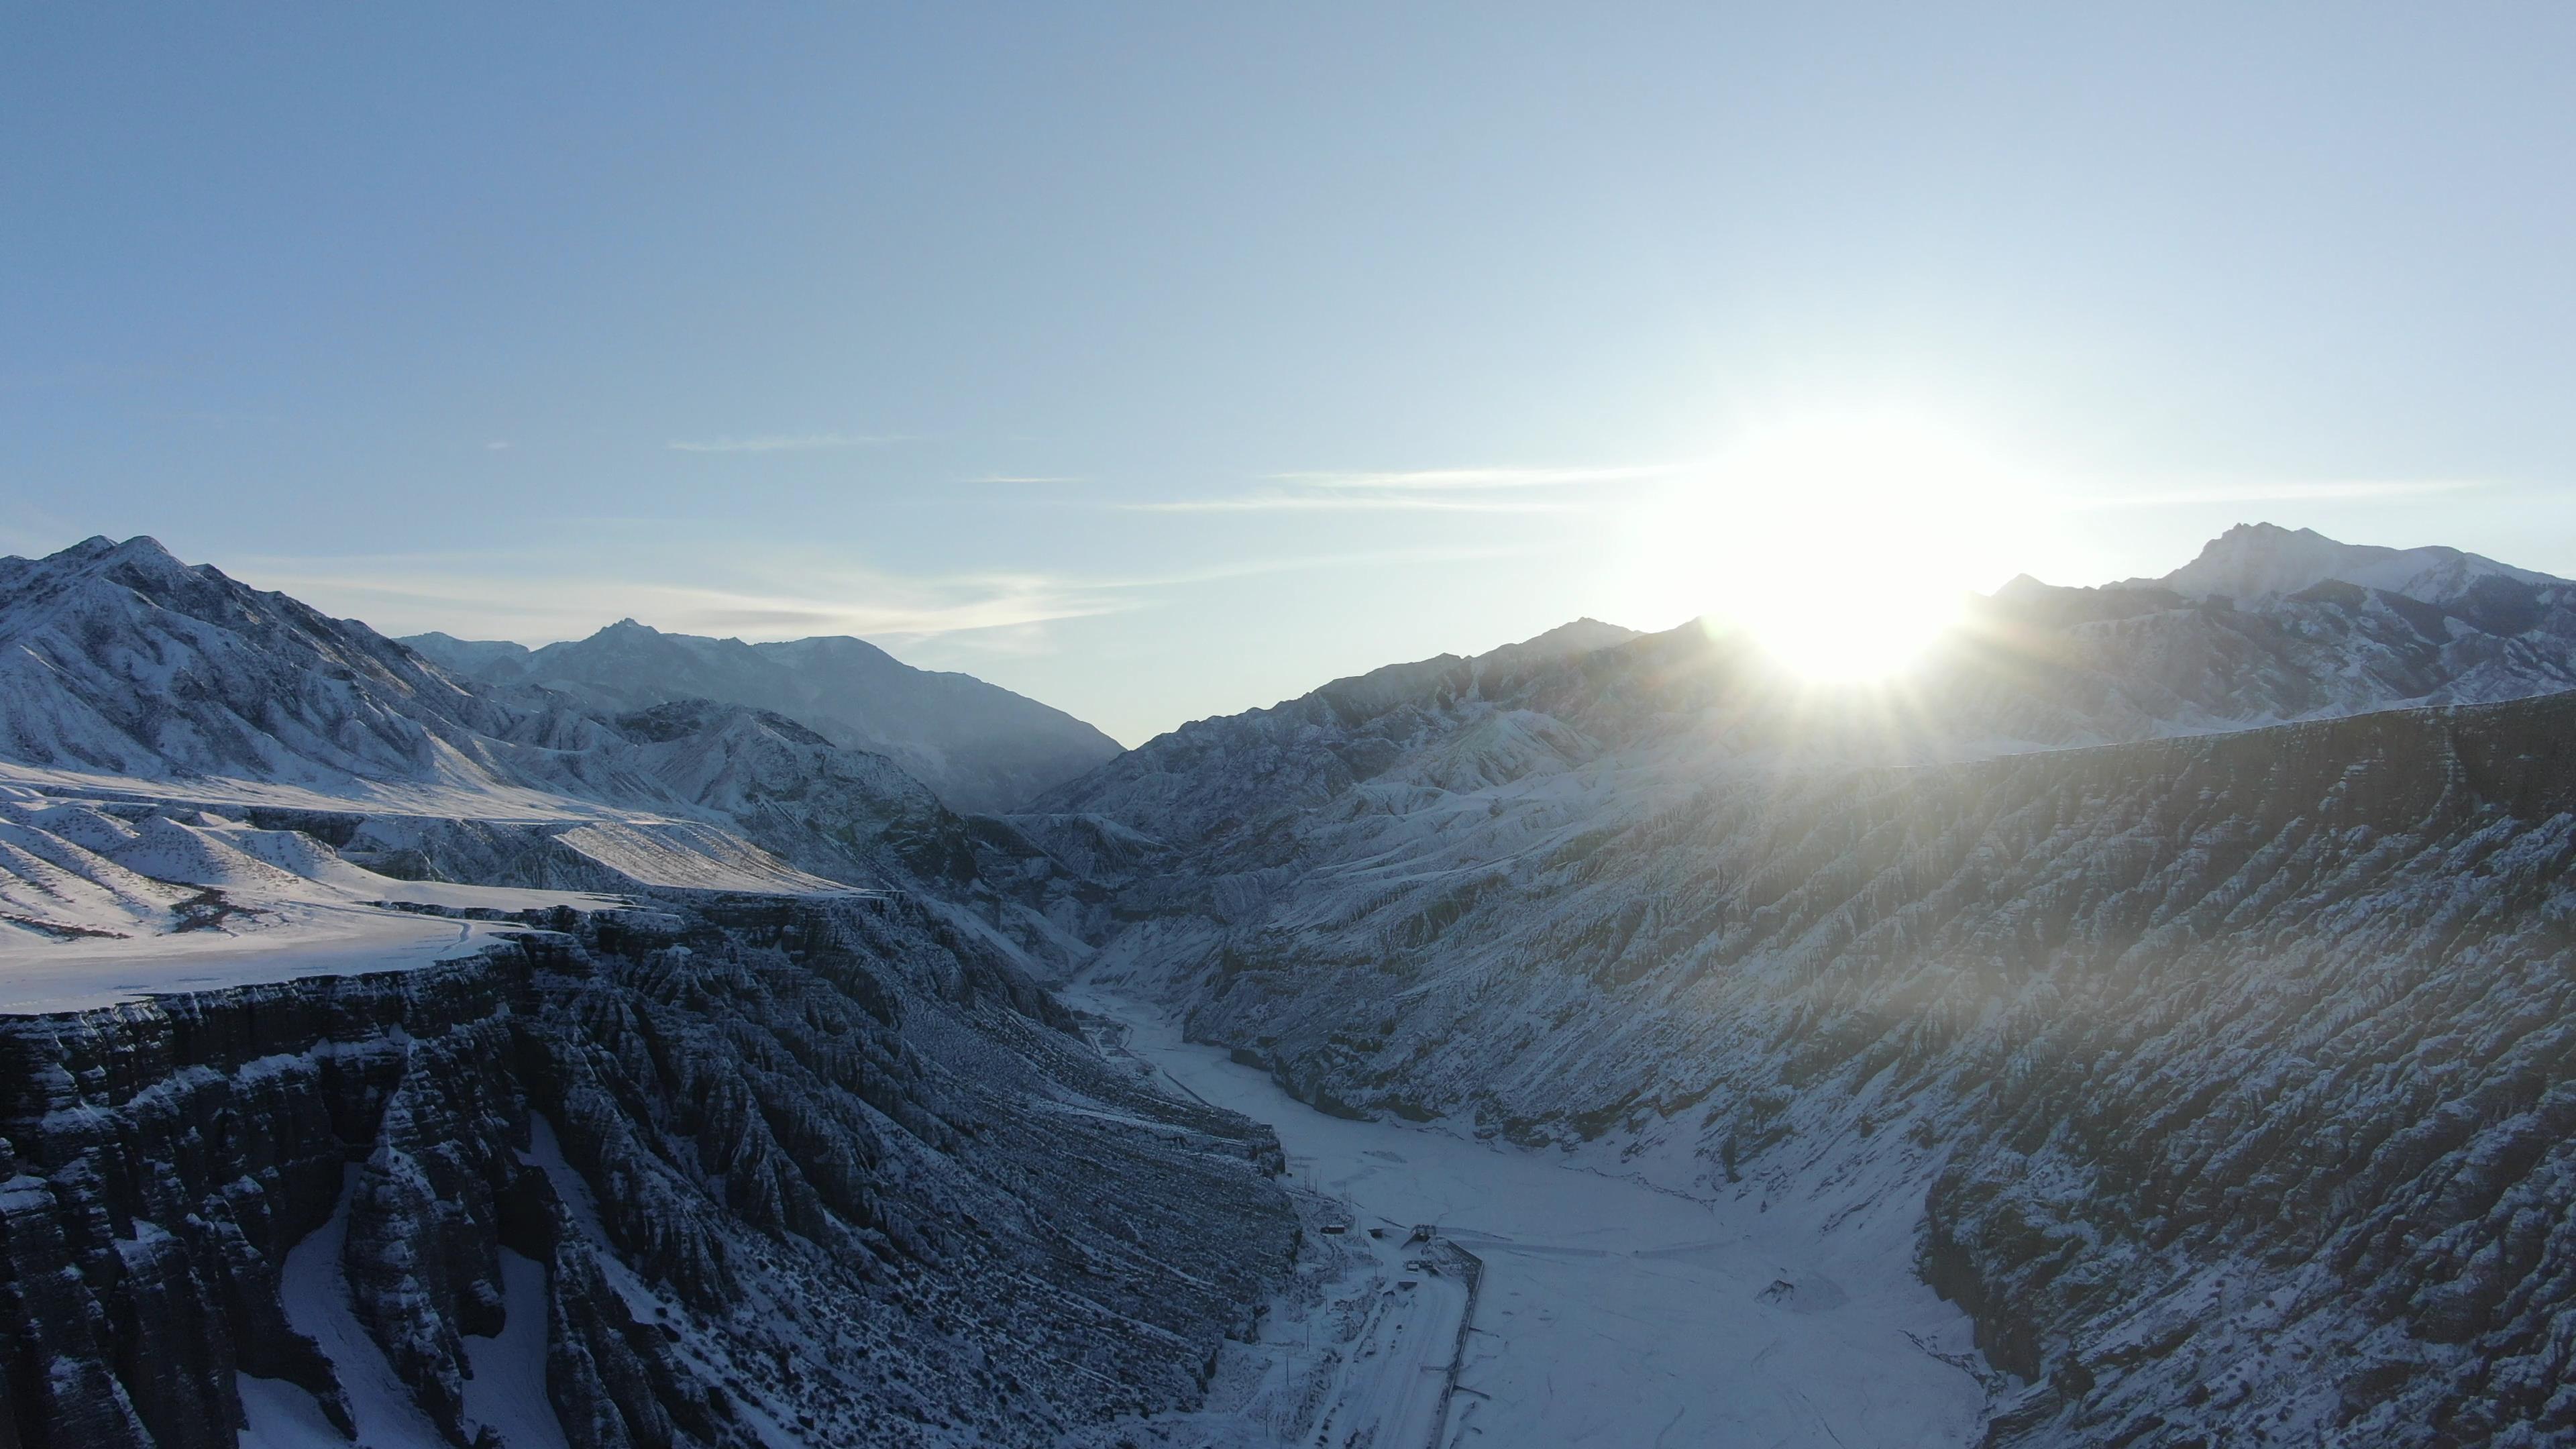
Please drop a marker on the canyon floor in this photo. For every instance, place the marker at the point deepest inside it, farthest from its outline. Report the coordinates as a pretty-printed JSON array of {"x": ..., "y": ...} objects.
[{"x": 1613, "y": 1310}]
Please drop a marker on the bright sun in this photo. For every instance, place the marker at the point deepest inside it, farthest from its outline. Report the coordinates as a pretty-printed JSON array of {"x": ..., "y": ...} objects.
[{"x": 1844, "y": 544}]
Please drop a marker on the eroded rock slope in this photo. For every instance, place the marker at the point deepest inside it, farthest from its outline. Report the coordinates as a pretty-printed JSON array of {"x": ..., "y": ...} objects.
[
  {"x": 2237, "y": 1072},
  {"x": 818, "y": 1171}
]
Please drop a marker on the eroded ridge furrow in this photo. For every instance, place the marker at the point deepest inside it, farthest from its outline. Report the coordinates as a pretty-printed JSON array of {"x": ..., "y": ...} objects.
[{"x": 816, "y": 1169}]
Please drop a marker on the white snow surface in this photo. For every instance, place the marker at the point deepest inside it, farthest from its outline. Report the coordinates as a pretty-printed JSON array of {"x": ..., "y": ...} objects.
[
  {"x": 316, "y": 1298},
  {"x": 96, "y": 909},
  {"x": 508, "y": 1389},
  {"x": 1617, "y": 1311},
  {"x": 283, "y": 1416}
]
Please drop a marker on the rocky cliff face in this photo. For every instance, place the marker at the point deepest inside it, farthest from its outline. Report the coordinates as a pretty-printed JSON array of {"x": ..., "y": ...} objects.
[
  {"x": 2235, "y": 1072},
  {"x": 763, "y": 1171}
]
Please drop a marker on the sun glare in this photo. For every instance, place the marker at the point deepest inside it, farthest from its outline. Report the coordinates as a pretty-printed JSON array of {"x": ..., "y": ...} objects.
[{"x": 1844, "y": 544}]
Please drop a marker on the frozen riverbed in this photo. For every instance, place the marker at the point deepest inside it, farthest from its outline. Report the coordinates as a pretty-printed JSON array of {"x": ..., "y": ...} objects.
[{"x": 1617, "y": 1313}]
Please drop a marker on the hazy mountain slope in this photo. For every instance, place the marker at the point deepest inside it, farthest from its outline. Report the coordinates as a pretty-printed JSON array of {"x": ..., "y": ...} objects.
[
  {"x": 466, "y": 656},
  {"x": 2033, "y": 667},
  {"x": 1216, "y": 776},
  {"x": 2236, "y": 1071},
  {"x": 2226, "y": 1065},
  {"x": 2254, "y": 561},
  {"x": 981, "y": 747}
]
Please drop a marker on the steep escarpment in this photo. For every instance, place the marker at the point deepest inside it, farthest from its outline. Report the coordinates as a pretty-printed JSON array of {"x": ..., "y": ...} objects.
[
  {"x": 2234, "y": 1073},
  {"x": 823, "y": 1171}
]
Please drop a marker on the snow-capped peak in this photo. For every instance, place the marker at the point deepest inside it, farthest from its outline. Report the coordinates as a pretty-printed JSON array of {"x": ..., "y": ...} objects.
[{"x": 2263, "y": 560}]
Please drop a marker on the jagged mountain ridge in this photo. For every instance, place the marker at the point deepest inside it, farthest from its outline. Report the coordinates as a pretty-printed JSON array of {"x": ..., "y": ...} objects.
[
  {"x": 119, "y": 660},
  {"x": 981, "y": 747},
  {"x": 2032, "y": 667},
  {"x": 2223, "y": 1052},
  {"x": 2254, "y": 561}
]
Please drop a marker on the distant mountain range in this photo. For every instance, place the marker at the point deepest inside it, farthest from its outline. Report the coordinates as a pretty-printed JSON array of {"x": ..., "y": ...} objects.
[
  {"x": 979, "y": 746},
  {"x": 2032, "y": 667},
  {"x": 2177, "y": 972}
]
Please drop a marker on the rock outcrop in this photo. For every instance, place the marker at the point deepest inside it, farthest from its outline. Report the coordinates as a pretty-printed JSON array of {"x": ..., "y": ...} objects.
[{"x": 822, "y": 1170}]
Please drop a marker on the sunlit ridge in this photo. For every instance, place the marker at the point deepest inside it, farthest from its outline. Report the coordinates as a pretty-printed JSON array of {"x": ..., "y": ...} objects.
[{"x": 1844, "y": 544}]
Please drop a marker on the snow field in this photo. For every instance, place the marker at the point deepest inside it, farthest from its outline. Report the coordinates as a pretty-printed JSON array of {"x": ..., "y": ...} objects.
[{"x": 1613, "y": 1312}]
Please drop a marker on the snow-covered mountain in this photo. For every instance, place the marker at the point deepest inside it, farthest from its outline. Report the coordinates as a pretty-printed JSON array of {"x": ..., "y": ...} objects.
[
  {"x": 981, "y": 747},
  {"x": 2257, "y": 561},
  {"x": 394, "y": 1058},
  {"x": 2239, "y": 1062},
  {"x": 2218, "y": 1067},
  {"x": 120, "y": 662},
  {"x": 118, "y": 659},
  {"x": 2032, "y": 667}
]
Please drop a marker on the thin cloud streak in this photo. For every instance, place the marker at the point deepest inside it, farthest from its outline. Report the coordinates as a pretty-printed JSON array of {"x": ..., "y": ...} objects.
[
  {"x": 1351, "y": 502},
  {"x": 464, "y": 595},
  {"x": 784, "y": 443},
  {"x": 1436, "y": 479},
  {"x": 1254, "y": 568},
  {"x": 2281, "y": 491},
  {"x": 1432, "y": 490},
  {"x": 474, "y": 604}
]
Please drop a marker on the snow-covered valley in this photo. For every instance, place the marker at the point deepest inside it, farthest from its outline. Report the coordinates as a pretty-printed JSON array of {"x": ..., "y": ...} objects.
[{"x": 1613, "y": 1310}]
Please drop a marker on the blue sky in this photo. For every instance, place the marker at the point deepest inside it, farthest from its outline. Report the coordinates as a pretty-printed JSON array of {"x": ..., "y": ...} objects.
[{"x": 1167, "y": 361}]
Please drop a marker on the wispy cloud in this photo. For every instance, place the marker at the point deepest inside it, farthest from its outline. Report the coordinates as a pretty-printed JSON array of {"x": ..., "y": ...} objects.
[
  {"x": 484, "y": 597},
  {"x": 783, "y": 443},
  {"x": 1303, "y": 563},
  {"x": 1484, "y": 489},
  {"x": 1463, "y": 479},
  {"x": 505, "y": 595},
  {"x": 1343, "y": 502},
  {"x": 2255, "y": 490},
  {"x": 497, "y": 445}
]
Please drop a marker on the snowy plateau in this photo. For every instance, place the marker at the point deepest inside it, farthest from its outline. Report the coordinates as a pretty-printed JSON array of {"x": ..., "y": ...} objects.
[{"x": 2151, "y": 1021}]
